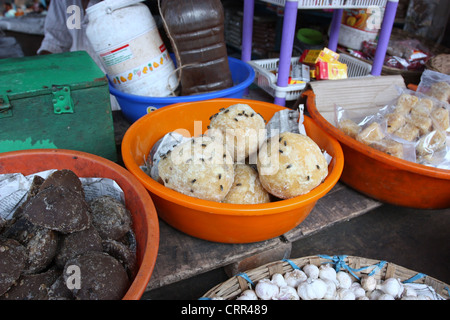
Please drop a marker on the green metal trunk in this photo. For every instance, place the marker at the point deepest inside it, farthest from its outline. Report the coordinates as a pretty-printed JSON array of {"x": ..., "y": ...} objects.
[{"x": 57, "y": 101}]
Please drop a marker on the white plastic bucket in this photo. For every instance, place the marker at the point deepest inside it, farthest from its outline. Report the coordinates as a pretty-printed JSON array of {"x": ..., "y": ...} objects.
[
  {"x": 124, "y": 35},
  {"x": 359, "y": 25}
]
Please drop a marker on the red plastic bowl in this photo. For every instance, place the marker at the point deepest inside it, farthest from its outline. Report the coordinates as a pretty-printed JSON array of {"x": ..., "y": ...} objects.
[
  {"x": 385, "y": 177},
  {"x": 214, "y": 221},
  {"x": 138, "y": 201}
]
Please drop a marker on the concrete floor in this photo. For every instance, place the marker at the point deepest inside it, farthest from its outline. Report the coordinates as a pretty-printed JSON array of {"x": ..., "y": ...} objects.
[{"x": 415, "y": 239}]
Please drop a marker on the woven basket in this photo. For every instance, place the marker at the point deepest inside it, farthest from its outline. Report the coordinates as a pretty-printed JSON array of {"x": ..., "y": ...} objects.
[
  {"x": 381, "y": 270},
  {"x": 440, "y": 63}
]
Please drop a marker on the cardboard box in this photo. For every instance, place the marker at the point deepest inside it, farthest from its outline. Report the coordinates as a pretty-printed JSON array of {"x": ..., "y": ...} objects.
[
  {"x": 312, "y": 57},
  {"x": 360, "y": 96},
  {"x": 330, "y": 70},
  {"x": 57, "y": 101}
]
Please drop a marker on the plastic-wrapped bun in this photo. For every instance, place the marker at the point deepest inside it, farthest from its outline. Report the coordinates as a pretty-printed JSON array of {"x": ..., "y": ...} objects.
[
  {"x": 200, "y": 168},
  {"x": 441, "y": 91},
  {"x": 290, "y": 165},
  {"x": 247, "y": 188},
  {"x": 371, "y": 134},
  {"x": 440, "y": 116},
  {"x": 349, "y": 127},
  {"x": 405, "y": 102},
  {"x": 243, "y": 129}
]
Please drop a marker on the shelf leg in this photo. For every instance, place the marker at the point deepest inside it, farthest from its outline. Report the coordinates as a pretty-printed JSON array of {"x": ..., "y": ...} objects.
[
  {"x": 334, "y": 29},
  {"x": 287, "y": 43},
  {"x": 385, "y": 34},
  {"x": 247, "y": 33}
]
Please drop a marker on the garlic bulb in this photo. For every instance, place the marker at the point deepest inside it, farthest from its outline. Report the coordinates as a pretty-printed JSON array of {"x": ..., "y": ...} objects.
[
  {"x": 311, "y": 271},
  {"x": 386, "y": 296},
  {"x": 363, "y": 298},
  {"x": 368, "y": 283},
  {"x": 345, "y": 294},
  {"x": 278, "y": 279},
  {"x": 330, "y": 294},
  {"x": 295, "y": 277},
  {"x": 312, "y": 289},
  {"x": 344, "y": 279},
  {"x": 357, "y": 290},
  {"x": 408, "y": 291},
  {"x": 266, "y": 290},
  {"x": 326, "y": 272},
  {"x": 287, "y": 293},
  {"x": 375, "y": 294},
  {"x": 391, "y": 286},
  {"x": 248, "y": 295}
]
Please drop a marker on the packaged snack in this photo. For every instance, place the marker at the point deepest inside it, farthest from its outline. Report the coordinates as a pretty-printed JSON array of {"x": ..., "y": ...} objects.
[
  {"x": 311, "y": 57},
  {"x": 415, "y": 127},
  {"x": 435, "y": 84},
  {"x": 331, "y": 70}
]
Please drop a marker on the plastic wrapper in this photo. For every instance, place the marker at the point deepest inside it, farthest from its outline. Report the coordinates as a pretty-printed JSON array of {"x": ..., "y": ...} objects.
[
  {"x": 435, "y": 84},
  {"x": 414, "y": 127},
  {"x": 408, "y": 54}
]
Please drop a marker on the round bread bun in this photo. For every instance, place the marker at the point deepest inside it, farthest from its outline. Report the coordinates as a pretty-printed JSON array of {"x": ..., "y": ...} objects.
[
  {"x": 200, "y": 168},
  {"x": 291, "y": 164},
  {"x": 243, "y": 130},
  {"x": 247, "y": 188}
]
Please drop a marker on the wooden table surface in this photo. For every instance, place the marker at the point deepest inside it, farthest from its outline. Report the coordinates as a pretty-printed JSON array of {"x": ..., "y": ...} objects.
[{"x": 181, "y": 256}]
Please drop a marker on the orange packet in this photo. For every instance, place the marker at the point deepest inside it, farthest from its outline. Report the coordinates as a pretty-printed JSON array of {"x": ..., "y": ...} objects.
[{"x": 331, "y": 70}]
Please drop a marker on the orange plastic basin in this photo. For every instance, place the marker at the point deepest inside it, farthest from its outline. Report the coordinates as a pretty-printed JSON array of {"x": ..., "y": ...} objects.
[
  {"x": 214, "y": 221},
  {"x": 138, "y": 201},
  {"x": 384, "y": 177}
]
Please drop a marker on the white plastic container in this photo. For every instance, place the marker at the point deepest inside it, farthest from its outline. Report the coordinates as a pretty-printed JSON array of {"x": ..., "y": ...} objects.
[
  {"x": 124, "y": 35},
  {"x": 359, "y": 25}
]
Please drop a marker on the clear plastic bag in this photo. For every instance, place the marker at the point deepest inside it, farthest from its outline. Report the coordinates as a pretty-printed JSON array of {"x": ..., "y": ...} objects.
[
  {"x": 414, "y": 127},
  {"x": 435, "y": 84}
]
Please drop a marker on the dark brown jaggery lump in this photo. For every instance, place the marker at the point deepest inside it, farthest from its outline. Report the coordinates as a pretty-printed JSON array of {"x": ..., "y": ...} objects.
[
  {"x": 32, "y": 286},
  {"x": 13, "y": 257},
  {"x": 65, "y": 178},
  {"x": 59, "y": 290},
  {"x": 41, "y": 243},
  {"x": 102, "y": 277},
  {"x": 34, "y": 189},
  {"x": 59, "y": 208},
  {"x": 123, "y": 253},
  {"x": 3, "y": 223},
  {"x": 77, "y": 243},
  {"x": 41, "y": 250},
  {"x": 110, "y": 217}
]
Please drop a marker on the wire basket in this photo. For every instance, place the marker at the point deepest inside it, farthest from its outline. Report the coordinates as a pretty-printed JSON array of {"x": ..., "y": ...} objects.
[
  {"x": 356, "y": 266},
  {"x": 266, "y": 79},
  {"x": 332, "y": 4}
]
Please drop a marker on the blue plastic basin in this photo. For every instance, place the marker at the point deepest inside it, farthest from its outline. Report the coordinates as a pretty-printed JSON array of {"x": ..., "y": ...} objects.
[{"x": 134, "y": 107}]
